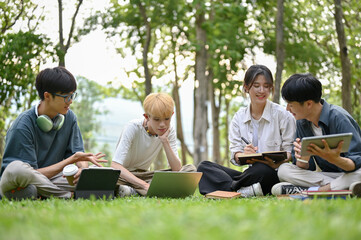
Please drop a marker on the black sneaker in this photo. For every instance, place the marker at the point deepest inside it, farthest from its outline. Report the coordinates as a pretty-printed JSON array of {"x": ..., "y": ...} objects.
[
  {"x": 29, "y": 192},
  {"x": 286, "y": 188}
]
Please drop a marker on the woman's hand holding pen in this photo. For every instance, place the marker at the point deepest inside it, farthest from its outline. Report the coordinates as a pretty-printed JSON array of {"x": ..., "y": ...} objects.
[{"x": 249, "y": 147}]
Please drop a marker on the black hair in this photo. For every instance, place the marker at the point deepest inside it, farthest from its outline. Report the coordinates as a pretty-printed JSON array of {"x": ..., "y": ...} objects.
[
  {"x": 252, "y": 73},
  {"x": 54, "y": 80},
  {"x": 302, "y": 87}
]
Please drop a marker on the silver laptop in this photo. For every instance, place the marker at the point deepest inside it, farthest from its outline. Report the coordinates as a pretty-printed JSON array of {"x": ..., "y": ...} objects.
[{"x": 173, "y": 184}]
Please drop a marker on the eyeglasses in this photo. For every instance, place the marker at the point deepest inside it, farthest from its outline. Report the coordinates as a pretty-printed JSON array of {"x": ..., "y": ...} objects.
[{"x": 67, "y": 98}]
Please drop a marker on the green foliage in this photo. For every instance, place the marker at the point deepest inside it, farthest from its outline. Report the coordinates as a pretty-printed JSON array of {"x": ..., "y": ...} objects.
[
  {"x": 351, "y": 10},
  {"x": 12, "y": 11},
  {"x": 303, "y": 37},
  {"x": 311, "y": 42},
  {"x": 125, "y": 21},
  {"x": 190, "y": 218},
  {"x": 20, "y": 55},
  {"x": 228, "y": 38}
]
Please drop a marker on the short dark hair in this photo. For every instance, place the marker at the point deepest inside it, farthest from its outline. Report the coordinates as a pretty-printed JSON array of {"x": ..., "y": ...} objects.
[
  {"x": 255, "y": 70},
  {"x": 54, "y": 80},
  {"x": 302, "y": 87}
]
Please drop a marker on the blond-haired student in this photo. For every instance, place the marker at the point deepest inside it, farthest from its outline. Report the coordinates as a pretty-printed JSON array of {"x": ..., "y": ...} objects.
[{"x": 140, "y": 143}]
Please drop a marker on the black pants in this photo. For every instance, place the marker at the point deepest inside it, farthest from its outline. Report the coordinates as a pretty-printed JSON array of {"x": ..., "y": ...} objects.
[{"x": 217, "y": 177}]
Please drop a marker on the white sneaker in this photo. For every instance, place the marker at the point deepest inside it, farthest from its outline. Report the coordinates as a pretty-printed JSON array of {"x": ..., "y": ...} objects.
[
  {"x": 251, "y": 191},
  {"x": 356, "y": 189},
  {"x": 126, "y": 191}
]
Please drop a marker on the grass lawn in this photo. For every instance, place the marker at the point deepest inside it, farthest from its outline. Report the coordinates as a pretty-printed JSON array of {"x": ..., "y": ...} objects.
[{"x": 190, "y": 218}]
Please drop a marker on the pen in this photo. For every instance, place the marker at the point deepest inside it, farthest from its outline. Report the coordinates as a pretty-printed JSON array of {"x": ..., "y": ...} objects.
[{"x": 245, "y": 140}]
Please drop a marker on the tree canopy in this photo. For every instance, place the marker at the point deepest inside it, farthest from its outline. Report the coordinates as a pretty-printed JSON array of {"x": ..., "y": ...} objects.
[{"x": 208, "y": 42}]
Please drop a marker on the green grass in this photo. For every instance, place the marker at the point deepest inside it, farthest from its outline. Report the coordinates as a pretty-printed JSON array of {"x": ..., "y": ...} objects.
[{"x": 191, "y": 218}]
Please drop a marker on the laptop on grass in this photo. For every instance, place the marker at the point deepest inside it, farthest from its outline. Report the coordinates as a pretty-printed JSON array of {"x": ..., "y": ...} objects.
[
  {"x": 167, "y": 184},
  {"x": 97, "y": 182}
]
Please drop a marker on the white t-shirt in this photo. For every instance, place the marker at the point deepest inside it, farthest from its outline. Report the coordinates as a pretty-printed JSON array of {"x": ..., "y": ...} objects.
[
  {"x": 276, "y": 129},
  {"x": 255, "y": 131},
  {"x": 137, "y": 150},
  {"x": 317, "y": 131}
]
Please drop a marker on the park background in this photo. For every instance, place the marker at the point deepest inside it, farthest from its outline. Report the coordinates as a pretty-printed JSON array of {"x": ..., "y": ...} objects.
[
  {"x": 122, "y": 50},
  {"x": 197, "y": 51}
]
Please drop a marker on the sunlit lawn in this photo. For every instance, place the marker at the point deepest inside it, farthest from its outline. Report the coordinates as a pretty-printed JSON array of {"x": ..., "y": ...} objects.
[{"x": 191, "y": 218}]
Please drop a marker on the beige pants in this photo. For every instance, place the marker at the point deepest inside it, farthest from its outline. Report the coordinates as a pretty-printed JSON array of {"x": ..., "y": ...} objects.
[
  {"x": 20, "y": 174},
  {"x": 288, "y": 172},
  {"x": 148, "y": 175}
]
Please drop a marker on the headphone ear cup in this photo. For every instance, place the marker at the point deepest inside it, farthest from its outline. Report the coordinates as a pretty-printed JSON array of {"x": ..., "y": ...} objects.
[
  {"x": 44, "y": 123},
  {"x": 58, "y": 122}
]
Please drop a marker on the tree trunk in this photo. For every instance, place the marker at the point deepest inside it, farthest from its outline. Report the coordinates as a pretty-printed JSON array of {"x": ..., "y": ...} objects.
[
  {"x": 63, "y": 48},
  {"x": 177, "y": 102},
  {"x": 227, "y": 155},
  {"x": 215, "y": 108},
  {"x": 215, "y": 119},
  {"x": 357, "y": 101},
  {"x": 146, "y": 44},
  {"x": 280, "y": 50},
  {"x": 345, "y": 61},
  {"x": 200, "y": 130},
  {"x": 180, "y": 135}
]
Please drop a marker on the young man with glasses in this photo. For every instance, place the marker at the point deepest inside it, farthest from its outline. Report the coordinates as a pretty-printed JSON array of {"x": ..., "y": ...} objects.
[{"x": 43, "y": 140}]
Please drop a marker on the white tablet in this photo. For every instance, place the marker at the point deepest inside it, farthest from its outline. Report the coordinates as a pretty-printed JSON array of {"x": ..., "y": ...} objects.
[{"x": 332, "y": 141}]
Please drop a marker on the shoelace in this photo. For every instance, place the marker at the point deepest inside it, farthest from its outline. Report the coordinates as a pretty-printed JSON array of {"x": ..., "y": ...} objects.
[{"x": 292, "y": 189}]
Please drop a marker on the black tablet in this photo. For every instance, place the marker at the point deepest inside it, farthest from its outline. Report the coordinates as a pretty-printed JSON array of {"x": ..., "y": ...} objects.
[
  {"x": 99, "y": 182},
  {"x": 332, "y": 141}
]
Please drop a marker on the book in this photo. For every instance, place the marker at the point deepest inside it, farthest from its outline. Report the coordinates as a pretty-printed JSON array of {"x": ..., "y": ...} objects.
[
  {"x": 327, "y": 194},
  {"x": 222, "y": 195},
  {"x": 310, "y": 195},
  {"x": 276, "y": 156}
]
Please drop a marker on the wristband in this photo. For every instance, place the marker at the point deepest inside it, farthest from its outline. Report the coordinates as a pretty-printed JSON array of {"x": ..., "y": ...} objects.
[{"x": 301, "y": 160}]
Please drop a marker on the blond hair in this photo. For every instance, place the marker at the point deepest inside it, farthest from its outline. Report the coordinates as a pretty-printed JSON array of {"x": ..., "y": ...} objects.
[{"x": 159, "y": 105}]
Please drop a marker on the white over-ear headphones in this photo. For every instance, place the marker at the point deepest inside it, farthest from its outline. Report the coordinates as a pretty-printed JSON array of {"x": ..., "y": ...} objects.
[{"x": 45, "y": 123}]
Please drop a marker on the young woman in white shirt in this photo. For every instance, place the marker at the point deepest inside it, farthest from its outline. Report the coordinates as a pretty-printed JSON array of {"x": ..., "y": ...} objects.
[{"x": 265, "y": 126}]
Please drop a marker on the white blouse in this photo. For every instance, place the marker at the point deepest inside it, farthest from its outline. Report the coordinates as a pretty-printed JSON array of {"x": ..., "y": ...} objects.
[{"x": 277, "y": 129}]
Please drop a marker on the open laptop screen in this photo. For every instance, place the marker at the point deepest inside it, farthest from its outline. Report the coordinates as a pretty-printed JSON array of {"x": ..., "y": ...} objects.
[{"x": 173, "y": 184}]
